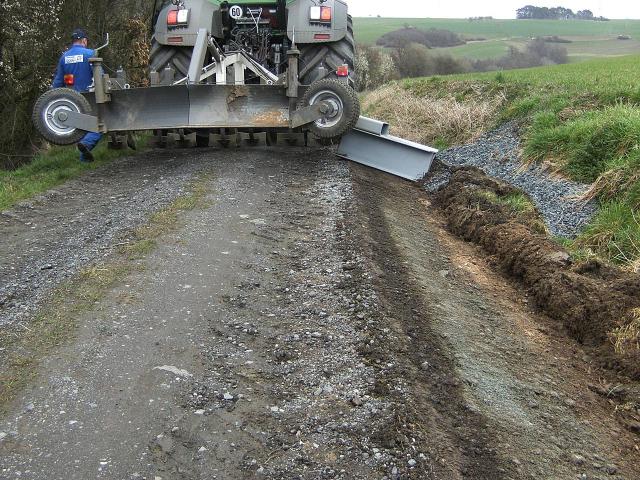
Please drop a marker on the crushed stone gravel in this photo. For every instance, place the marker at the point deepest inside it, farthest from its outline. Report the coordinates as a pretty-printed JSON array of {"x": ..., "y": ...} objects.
[
  {"x": 90, "y": 215},
  {"x": 497, "y": 153}
]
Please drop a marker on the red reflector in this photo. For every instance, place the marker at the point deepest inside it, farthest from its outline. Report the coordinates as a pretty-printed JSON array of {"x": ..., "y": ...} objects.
[
  {"x": 343, "y": 71},
  {"x": 325, "y": 14},
  {"x": 175, "y": 39},
  {"x": 172, "y": 17},
  {"x": 322, "y": 36},
  {"x": 69, "y": 80}
]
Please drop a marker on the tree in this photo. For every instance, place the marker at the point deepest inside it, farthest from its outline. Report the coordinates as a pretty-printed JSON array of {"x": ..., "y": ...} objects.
[
  {"x": 27, "y": 54},
  {"x": 526, "y": 13},
  {"x": 585, "y": 15},
  {"x": 33, "y": 35},
  {"x": 531, "y": 12},
  {"x": 374, "y": 67}
]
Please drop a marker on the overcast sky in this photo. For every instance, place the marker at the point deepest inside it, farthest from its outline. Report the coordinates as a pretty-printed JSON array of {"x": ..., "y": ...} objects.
[{"x": 477, "y": 8}]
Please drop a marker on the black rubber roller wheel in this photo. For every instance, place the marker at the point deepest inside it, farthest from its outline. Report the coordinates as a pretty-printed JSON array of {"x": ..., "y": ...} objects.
[
  {"x": 51, "y": 106},
  {"x": 343, "y": 114},
  {"x": 329, "y": 55}
]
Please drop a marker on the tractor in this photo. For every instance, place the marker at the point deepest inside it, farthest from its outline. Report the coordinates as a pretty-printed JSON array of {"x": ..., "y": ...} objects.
[
  {"x": 254, "y": 71},
  {"x": 246, "y": 67},
  {"x": 321, "y": 29}
]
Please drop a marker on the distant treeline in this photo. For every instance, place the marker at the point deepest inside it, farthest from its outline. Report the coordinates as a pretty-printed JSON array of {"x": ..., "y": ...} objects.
[
  {"x": 432, "y": 38},
  {"x": 531, "y": 12}
]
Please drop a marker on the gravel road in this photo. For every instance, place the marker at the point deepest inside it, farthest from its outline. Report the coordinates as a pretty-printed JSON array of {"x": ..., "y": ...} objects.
[
  {"x": 312, "y": 321},
  {"x": 498, "y": 154},
  {"x": 54, "y": 235}
]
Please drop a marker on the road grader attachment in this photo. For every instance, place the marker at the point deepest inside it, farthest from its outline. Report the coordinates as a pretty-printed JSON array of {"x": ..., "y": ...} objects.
[{"x": 249, "y": 70}]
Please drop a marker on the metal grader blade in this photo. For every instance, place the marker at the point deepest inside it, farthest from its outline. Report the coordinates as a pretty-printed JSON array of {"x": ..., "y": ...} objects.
[{"x": 370, "y": 144}]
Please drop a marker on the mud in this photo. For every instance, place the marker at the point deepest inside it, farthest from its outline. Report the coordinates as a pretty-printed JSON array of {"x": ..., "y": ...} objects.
[{"x": 590, "y": 299}]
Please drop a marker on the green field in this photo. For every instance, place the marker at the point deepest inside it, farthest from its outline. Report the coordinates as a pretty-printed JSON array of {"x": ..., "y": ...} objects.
[
  {"x": 582, "y": 121},
  {"x": 590, "y": 39},
  {"x": 603, "y": 81}
]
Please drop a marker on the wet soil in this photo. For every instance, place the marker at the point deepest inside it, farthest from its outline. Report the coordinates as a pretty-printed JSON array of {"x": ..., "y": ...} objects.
[{"x": 314, "y": 320}]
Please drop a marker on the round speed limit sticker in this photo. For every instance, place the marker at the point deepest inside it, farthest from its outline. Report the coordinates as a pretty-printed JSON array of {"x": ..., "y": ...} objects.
[{"x": 236, "y": 12}]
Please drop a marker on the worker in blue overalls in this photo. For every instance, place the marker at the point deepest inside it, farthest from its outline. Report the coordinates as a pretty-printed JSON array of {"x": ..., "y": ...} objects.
[{"x": 74, "y": 71}]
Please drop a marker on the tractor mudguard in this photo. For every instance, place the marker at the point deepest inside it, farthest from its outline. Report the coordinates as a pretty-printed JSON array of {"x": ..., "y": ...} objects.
[
  {"x": 305, "y": 31},
  {"x": 202, "y": 14}
]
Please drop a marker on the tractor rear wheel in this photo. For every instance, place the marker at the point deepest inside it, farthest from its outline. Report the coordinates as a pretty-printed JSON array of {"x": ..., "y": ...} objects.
[
  {"x": 330, "y": 56},
  {"x": 163, "y": 56}
]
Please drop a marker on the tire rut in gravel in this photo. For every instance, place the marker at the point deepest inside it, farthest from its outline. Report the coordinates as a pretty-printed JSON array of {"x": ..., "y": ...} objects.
[{"x": 435, "y": 411}]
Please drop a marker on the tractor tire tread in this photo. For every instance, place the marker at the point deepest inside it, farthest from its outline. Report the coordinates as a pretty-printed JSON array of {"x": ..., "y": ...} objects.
[
  {"x": 338, "y": 53},
  {"x": 162, "y": 56}
]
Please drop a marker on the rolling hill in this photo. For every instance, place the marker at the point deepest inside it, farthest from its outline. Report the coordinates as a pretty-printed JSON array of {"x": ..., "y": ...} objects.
[{"x": 492, "y": 38}]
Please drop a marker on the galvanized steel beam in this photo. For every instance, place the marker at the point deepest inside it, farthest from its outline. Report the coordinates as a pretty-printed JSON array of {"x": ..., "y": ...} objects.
[{"x": 370, "y": 144}]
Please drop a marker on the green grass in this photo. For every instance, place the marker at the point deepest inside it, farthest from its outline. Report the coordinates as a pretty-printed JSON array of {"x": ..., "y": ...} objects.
[
  {"x": 581, "y": 120},
  {"x": 588, "y": 48},
  {"x": 369, "y": 30},
  {"x": 582, "y": 48},
  {"x": 590, "y": 84},
  {"x": 483, "y": 50},
  {"x": 50, "y": 169},
  {"x": 585, "y": 146},
  {"x": 517, "y": 202},
  {"x": 589, "y": 39},
  {"x": 614, "y": 233}
]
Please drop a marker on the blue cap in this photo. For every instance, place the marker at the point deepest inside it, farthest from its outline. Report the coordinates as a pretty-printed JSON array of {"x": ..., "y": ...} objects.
[{"x": 78, "y": 34}]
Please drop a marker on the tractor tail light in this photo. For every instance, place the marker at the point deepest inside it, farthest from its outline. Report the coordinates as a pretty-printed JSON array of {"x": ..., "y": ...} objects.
[
  {"x": 320, "y": 14},
  {"x": 69, "y": 80},
  {"x": 343, "y": 71},
  {"x": 178, "y": 18}
]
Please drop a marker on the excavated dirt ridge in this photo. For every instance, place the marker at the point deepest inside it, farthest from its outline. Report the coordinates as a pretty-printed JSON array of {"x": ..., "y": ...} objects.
[{"x": 591, "y": 299}]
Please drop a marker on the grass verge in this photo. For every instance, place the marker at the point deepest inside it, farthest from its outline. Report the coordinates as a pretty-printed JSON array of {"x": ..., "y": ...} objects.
[
  {"x": 580, "y": 120},
  {"x": 23, "y": 346},
  {"x": 517, "y": 202},
  {"x": 439, "y": 121},
  {"x": 52, "y": 168}
]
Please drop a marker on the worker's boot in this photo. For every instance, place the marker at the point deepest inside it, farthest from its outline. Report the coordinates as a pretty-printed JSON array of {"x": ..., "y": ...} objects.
[{"x": 85, "y": 154}]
